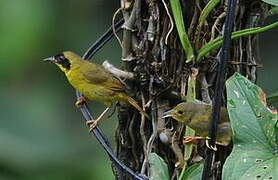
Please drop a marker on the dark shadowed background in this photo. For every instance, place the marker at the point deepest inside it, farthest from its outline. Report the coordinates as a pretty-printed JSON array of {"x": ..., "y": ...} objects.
[{"x": 42, "y": 134}]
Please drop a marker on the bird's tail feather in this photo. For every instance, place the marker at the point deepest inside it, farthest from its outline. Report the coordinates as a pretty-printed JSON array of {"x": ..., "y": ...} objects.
[{"x": 131, "y": 101}]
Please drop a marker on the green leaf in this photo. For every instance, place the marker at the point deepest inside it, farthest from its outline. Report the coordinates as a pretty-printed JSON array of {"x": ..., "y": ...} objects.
[
  {"x": 177, "y": 12},
  {"x": 158, "y": 168},
  {"x": 273, "y": 98},
  {"x": 194, "y": 172},
  {"x": 218, "y": 41},
  {"x": 272, "y": 2},
  {"x": 254, "y": 154}
]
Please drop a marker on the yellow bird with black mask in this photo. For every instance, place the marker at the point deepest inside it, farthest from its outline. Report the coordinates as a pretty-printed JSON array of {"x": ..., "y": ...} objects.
[{"x": 93, "y": 81}]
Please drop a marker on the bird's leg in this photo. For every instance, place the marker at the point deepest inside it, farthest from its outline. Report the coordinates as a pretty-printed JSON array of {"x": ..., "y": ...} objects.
[
  {"x": 194, "y": 140},
  {"x": 93, "y": 123},
  {"x": 80, "y": 101},
  {"x": 113, "y": 111},
  {"x": 190, "y": 139}
]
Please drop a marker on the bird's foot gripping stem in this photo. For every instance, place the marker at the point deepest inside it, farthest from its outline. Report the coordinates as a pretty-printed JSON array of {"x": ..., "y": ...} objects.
[
  {"x": 214, "y": 148},
  {"x": 93, "y": 123},
  {"x": 190, "y": 139},
  {"x": 80, "y": 101}
]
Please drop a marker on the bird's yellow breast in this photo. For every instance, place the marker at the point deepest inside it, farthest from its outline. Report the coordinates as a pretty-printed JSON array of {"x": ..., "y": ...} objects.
[{"x": 91, "y": 91}]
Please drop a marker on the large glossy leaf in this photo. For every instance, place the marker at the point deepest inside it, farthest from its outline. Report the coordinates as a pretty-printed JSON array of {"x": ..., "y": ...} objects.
[
  {"x": 272, "y": 2},
  {"x": 194, "y": 172},
  {"x": 254, "y": 154},
  {"x": 159, "y": 169}
]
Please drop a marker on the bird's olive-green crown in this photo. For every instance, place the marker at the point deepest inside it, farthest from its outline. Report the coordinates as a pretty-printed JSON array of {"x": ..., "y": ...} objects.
[{"x": 182, "y": 112}]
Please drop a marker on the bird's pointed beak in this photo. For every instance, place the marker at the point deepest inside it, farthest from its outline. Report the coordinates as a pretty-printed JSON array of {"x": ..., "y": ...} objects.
[
  {"x": 168, "y": 114},
  {"x": 50, "y": 59}
]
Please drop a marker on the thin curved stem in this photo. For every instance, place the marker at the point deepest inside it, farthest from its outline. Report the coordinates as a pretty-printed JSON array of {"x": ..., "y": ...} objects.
[{"x": 97, "y": 132}]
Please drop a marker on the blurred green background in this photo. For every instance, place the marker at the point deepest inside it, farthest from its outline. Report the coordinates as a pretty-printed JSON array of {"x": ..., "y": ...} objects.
[{"x": 42, "y": 134}]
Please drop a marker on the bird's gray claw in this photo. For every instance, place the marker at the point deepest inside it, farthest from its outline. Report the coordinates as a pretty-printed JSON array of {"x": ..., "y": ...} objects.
[
  {"x": 214, "y": 148},
  {"x": 92, "y": 125}
]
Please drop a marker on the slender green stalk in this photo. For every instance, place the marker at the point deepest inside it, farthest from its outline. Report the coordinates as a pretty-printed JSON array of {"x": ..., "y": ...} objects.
[
  {"x": 235, "y": 35},
  {"x": 207, "y": 9},
  {"x": 190, "y": 96},
  {"x": 203, "y": 16}
]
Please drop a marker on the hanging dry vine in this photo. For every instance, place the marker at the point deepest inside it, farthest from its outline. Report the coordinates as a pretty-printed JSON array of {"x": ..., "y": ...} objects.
[{"x": 152, "y": 50}]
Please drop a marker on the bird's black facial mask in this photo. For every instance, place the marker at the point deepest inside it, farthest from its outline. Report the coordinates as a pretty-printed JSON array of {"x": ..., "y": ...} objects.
[{"x": 62, "y": 60}]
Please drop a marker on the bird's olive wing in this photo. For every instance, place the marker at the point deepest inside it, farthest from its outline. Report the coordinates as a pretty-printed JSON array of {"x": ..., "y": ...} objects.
[
  {"x": 224, "y": 117},
  {"x": 96, "y": 74}
]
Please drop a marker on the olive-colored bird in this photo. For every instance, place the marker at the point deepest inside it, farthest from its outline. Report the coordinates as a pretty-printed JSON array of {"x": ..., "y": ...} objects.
[
  {"x": 197, "y": 116},
  {"x": 93, "y": 81}
]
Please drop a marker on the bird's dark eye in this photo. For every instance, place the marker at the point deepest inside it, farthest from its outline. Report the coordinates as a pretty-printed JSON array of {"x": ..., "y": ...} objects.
[
  {"x": 180, "y": 112},
  {"x": 61, "y": 59}
]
